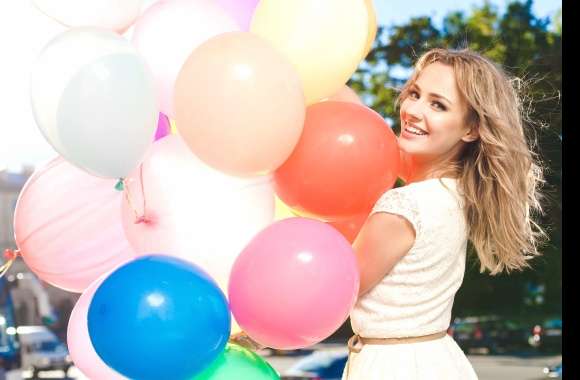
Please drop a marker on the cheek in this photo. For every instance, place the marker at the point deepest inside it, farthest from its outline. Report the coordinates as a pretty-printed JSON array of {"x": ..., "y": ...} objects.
[
  {"x": 403, "y": 108},
  {"x": 443, "y": 126}
]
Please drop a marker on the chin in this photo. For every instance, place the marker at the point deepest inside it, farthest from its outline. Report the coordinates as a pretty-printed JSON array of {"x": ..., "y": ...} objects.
[{"x": 405, "y": 147}]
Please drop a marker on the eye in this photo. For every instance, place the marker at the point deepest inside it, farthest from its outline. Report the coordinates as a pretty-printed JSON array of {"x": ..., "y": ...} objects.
[
  {"x": 413, "y": 94},
  {"x": 439, "y": 106}
]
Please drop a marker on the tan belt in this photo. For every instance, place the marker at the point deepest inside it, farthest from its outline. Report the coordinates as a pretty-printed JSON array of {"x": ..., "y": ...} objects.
[{"x": 355, "y": 347}]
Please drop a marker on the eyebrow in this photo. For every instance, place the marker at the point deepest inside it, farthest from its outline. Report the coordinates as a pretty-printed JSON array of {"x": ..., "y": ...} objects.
[{"x": 433, "y": 94}]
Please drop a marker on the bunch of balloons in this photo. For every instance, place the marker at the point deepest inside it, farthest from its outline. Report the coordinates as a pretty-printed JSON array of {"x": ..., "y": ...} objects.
[{"x": 214, "y": 170}]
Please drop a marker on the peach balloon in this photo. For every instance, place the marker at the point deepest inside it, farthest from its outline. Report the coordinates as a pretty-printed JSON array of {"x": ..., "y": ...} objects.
[
  {"x": 167, "y": 33},
  {"x": 239, "y": 105},
  {"x": 324, "y": 39}
]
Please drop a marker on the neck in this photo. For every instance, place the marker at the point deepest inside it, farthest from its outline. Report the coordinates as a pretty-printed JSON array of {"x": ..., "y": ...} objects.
[{"x": 417, "y": 170}]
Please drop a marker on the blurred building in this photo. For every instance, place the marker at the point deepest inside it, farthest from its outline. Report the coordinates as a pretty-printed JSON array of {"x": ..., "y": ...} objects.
[
  {"x": 10, "y": 185},
  {"x": 25, "y": 302}
]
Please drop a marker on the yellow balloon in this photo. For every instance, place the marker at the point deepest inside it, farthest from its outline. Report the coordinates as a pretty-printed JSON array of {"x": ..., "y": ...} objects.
[
  {"x": 173, "y": 127},
  {"x": 283, "y": 211},
  {"x": 323, "y": 39},
  {"x": 235, "y": 328},
  {"x": 372, "y": 33}
]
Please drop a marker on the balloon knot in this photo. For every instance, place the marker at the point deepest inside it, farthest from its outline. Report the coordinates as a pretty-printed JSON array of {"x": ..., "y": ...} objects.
[
  {"x": 10, "y": 254},
  {"x": 142, "y": 219}
]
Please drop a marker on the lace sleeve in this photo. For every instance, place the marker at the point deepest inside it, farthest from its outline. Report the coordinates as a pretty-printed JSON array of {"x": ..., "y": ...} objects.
[{"x": 399, "y": 202}]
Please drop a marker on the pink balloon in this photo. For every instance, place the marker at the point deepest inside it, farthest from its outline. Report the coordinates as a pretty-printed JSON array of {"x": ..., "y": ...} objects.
[
  {"x": 163, "y": 127},
  {"x": 294, "y": 284},
  {"x": 68, "y": 226},
  {"x": 79, "y": 342},
  {"x": 241, "y": 10}
]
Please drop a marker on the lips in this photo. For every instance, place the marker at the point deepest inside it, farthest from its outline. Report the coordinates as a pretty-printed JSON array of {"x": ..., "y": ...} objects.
[{"x": 415, "y": 130}]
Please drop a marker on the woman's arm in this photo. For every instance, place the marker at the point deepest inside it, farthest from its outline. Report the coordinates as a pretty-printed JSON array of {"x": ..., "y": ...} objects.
[{"x": 382, "y": 241}]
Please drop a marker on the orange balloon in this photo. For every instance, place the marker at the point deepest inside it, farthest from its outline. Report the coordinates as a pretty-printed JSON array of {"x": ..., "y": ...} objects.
[
  {"x": 347, "y": 157},
  {"x": 372, "y": 33},
  {"x": 349, "y": 228},
  {"x": 239, "y": 104},
  {"x": 346, "y": 94}
]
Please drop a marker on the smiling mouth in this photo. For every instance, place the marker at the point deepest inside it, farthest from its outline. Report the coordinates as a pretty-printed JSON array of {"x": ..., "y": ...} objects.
[{"x": 414, "y": 130}]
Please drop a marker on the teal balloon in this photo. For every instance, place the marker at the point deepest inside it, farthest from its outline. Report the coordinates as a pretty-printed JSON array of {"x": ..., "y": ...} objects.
[{"x": 238, "y": 363}]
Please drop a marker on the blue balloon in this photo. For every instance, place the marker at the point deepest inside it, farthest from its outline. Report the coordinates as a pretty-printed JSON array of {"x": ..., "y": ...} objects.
[{"x": 159, "y": 317}]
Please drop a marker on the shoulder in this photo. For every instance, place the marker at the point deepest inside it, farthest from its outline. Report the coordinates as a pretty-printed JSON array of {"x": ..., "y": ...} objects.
[
  {"x": 399, "y": 201},
  {"x": 412, "y": 200},
  {"x": 431, "y": 190}
]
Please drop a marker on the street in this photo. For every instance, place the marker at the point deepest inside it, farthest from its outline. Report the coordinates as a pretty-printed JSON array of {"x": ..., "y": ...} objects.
[{"x": 487, "y": 367}]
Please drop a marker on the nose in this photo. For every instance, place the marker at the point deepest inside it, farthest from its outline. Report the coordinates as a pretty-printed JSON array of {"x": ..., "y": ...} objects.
[{"x": 414, "y": 110}]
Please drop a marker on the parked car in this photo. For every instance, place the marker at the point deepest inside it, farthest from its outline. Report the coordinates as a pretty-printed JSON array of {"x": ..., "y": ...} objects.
[
  {"x": 41, "y": 350},
  {"x": 547, "y": 336},
  {"x": 269, "y": 351},
  {"x": 554, "y": 371},
  {"x": 491, "y": 335},
  {"x": 320, "y": 365}
]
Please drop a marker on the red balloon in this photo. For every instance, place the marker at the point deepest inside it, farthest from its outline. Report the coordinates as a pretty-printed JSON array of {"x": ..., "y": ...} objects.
[
  {"x": 346, "y": 158},
  {"x": 349, "y": 228}
]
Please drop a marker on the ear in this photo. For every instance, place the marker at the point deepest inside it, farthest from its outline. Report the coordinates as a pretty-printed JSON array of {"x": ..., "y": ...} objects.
[{"x": 472, "y": 135}]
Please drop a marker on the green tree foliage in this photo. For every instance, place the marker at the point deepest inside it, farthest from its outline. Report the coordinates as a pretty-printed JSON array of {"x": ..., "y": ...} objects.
[{"x": 531, "y": 52}]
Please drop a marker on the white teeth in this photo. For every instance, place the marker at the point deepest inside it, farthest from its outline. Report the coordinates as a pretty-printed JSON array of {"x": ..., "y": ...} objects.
[{"x": 415, "y": 131}]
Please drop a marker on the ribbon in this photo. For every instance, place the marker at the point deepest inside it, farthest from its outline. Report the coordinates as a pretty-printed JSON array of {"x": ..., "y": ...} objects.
[{"x": 9, "y": 257}]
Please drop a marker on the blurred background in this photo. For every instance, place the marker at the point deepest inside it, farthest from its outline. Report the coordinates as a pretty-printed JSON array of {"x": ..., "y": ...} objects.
[{"x": 509, "y": 325}]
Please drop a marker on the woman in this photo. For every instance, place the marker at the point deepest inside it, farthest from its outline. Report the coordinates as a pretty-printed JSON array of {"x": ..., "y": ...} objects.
[{"x": 471, "y": 176}]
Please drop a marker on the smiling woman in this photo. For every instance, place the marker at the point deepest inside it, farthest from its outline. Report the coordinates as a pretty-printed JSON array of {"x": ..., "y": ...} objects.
[
  {"x": 472, "y": 177},
  {"x": 434, "y": 109}
]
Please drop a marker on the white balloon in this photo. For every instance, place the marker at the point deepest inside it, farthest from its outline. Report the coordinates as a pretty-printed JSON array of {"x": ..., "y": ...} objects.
[
  {"x": 193, "y": 211},
  {"x": 94, "y": 100},
  {"x": 115, "y": 15}
]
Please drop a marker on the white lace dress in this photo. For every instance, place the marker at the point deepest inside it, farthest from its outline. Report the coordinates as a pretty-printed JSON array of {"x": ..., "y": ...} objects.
[{"x": 416, "y": 297}]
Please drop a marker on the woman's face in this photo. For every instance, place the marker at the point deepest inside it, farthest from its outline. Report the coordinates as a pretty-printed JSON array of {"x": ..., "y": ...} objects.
[{"x": 433, "y": 116}]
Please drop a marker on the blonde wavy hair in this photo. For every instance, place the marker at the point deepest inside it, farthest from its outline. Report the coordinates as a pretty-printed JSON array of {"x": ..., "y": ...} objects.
[{"x": 499, "y": 174}]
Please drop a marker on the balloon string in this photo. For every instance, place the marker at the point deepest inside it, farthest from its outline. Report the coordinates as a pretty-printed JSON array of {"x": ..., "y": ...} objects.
[
  {"x": 10, "y": 257},
  {"x": 242, "y": 339},
  {"x": 138, "y": 218}
]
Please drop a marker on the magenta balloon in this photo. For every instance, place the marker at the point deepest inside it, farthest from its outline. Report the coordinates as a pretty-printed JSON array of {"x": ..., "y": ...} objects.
[
  {"x": 79, "y": 342},
  {"x": 294, "y": 284},
  {"x": 163, "y": 127},
  {"x": 68, "y": 226},
  {"x": 240, "y": 10}
]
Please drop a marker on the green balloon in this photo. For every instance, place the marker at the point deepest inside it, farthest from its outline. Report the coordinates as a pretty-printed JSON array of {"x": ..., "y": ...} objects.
[{"x": 238, "y": 363}]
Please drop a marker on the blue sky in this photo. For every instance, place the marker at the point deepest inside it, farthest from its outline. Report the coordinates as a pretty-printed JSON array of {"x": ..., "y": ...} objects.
[
  {"x": 21, "y": 142},
  {"x": 390, "y": 12}
]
